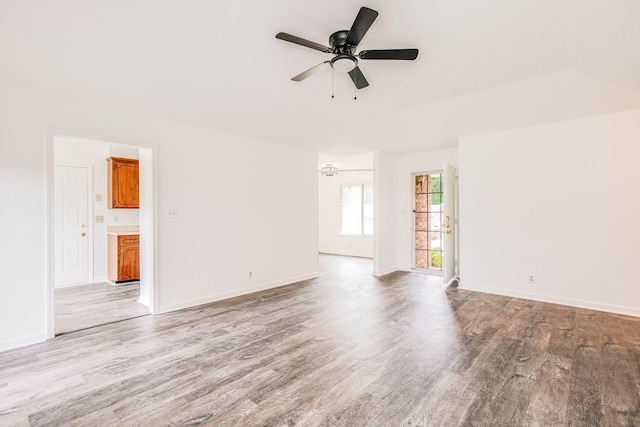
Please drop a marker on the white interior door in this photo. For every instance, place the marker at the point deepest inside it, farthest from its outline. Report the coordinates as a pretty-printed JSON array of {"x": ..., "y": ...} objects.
[
  {"x": 449, "y": 209},
  {"x": 71, "y": 219}
]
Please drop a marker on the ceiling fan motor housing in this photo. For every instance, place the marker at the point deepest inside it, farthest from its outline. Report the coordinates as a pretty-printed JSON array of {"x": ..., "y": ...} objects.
[
  {"x": 338, "y": 42},
  {"x": 344, "y": 61}
]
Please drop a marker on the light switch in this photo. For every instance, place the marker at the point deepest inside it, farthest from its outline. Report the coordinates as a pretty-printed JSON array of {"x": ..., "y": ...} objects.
[
  {"x": 99, "y": 218},
  {"x": 98, "y": 197}
]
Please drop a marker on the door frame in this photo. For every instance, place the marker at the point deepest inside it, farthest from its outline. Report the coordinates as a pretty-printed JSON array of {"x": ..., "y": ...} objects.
[
  {"x": 412, "y": 208},
  {"x": 148, "y": 218},
  {"x": 89, "y": 169},
  {"x": 452, "y": 186}
]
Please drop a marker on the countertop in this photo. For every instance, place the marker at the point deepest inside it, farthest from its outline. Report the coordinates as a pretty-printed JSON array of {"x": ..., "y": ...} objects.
[{"x": 123, "y": 230}]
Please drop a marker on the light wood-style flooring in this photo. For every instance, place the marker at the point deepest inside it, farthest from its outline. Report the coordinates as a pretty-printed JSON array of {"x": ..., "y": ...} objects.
[
  {"x": 86, "y": 306},
  {"x": 346, "y": 349}
]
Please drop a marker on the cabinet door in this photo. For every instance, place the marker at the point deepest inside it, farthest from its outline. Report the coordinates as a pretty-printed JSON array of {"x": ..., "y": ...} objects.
[
  {"x": 129, "y": 263},
  {"x": 124, "y": 183}
]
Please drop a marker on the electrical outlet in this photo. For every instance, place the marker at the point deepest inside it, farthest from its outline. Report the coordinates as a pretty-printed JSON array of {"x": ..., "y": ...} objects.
[
  {"x": 250, "y": 274},
  {"x": 532, "y": 280},
  {"x": 173, "y": 213},
  {"x": 99, "y": 218},
  {"x": 116, "y": 218}
]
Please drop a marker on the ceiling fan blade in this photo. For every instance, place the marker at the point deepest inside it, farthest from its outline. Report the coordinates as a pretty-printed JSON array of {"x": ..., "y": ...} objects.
[
  {"x": 361, "y": 25},
  {"x": 302, "y": 42},
  {"x": 311, "y": 71},
  {"x": 406, "y": 54},
  {"x": 358, "y": 78}
]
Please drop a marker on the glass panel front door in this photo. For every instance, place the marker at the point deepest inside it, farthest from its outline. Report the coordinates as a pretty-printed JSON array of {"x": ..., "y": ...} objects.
[{"x": 428, "y": 221}]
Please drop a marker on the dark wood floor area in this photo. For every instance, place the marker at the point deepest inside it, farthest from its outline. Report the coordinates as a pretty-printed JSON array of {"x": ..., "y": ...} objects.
[
  {"x": 80, "y": 307},
  {"x": 345, "y": 349}
]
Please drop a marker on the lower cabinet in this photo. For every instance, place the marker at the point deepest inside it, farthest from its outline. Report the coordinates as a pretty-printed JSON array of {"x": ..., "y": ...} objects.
[{"x": 124, "y": 258}]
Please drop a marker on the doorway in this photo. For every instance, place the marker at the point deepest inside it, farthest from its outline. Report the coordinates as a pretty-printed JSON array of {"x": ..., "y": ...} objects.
[
  {"x": 81, "y": 294},
  {"x": 346, "y": 205},
  {"x": 428, "y": 226}
]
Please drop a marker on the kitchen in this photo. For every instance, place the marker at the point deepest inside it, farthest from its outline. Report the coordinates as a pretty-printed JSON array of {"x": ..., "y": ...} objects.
[{"x": 97, "y": 240}]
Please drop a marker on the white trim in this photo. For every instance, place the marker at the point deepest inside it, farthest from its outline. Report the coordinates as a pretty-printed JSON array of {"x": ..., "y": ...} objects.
[
  {"x": 356, "y": 254},
  {"x": 24, "y": 341},
  {"x": 74, "y": 285},
  {"x": 572, "y": 302},
  {"x": 149, "y": 214},
  {"x": 51, "y": 245},
  {"x": 429, "y": 271},
  {"x": 385, "y": 271},
  {"x": 235, "y": 293},
  {"x": 98, "y": 281}
]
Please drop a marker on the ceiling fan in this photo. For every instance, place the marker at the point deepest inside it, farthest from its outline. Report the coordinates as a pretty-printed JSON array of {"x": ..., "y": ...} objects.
[{"x": 343, "y": 45}]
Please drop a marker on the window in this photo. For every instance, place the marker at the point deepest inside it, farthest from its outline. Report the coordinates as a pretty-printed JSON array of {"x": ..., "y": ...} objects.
[{"x": 356, "y": 213}]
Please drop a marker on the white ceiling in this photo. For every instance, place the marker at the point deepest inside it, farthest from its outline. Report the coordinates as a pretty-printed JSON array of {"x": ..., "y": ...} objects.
[{"x": 483, "y": 65}]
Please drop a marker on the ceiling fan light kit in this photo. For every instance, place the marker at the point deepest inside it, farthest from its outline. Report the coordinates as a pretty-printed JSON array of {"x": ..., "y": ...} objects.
[
  {"x": 343, "y": 45},
  {"x": 344, "y": 63}
]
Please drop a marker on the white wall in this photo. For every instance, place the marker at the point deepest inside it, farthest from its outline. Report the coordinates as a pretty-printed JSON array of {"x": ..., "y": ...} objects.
[
  {"x": 385, "y": 214},
  {"x": 559, "y": 202},
  {"x": 76, "y": 152},
  {"x": 408, "y": 164},
  {"x": 239, "y": 208},
  {"x": 330, "y": 239}
]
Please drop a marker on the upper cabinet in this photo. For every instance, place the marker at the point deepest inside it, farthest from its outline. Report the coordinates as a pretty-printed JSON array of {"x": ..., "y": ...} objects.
[{"x": 123, "y": 179}]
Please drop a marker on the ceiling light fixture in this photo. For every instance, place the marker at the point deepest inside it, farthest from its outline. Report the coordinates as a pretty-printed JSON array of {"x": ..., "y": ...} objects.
[
  {"x": 329, "y": 170},
  {"x": 344, "y": 63}
]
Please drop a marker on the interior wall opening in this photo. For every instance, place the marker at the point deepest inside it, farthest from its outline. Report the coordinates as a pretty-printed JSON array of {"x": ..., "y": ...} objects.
[
  {"x": 101, "y": 216},
  {"x": 346, "y": 205}
]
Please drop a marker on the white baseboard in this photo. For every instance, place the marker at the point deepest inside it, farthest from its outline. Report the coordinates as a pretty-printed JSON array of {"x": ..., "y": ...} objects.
[
  {"x": 73, "y": 285},
  {"x": 384, "y": 271},
  {"x": 591, "y": 305},
  {"x": 235, "y": 293},
  {"x": 357, "y": 254},
  {"x": 23, "y": 341},
  {"x": 94, "y": 282}
]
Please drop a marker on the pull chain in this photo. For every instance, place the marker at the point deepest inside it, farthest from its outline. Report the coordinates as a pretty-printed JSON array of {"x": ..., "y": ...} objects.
[
  {"x": 332, "y": 90},
  {"x": 355, "y": 87}
]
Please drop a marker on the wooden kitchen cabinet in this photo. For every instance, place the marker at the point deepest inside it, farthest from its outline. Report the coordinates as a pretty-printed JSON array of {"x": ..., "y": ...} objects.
[
  {"x": 124, "y": 258},
  {"x": 123, "y": 181}
]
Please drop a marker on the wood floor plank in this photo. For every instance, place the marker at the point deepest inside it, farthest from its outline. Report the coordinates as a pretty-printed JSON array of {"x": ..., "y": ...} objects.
[
  {"x": 86, "y": 306},
  {"x": 549, "y": 400},
  {"x": 343, "y": 349}
]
